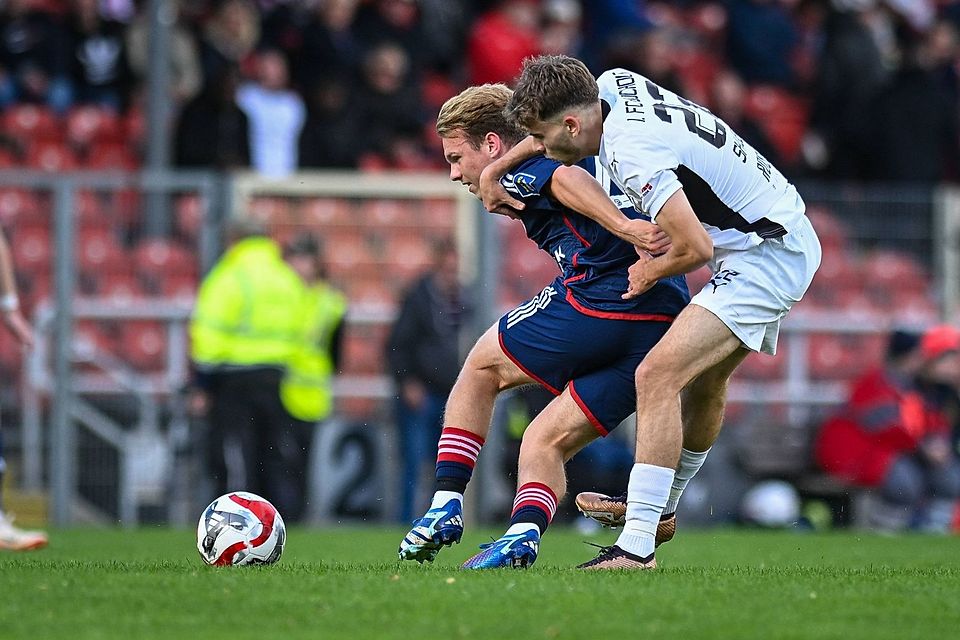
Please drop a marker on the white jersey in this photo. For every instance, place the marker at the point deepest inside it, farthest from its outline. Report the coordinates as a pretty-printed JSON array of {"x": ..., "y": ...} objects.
[{"x": 655, "y": 143}]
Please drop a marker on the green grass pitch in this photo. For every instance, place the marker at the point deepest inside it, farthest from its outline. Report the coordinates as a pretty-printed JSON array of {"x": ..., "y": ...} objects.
[{"x": 345, "y": 583}]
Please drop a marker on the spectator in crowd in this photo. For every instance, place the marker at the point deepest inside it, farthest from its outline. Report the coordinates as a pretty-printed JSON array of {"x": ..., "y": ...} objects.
[
  {"x": 914, "y": 134},
  {"x": 852, "y": 71},
  {"x": 33, "y": 58},
  {"x": 562, "y": 27},
  {"x": 98, "y": 50},
  {"x": 386, "y": 101},
  {"x": 13, "y": 538},
  {"x": 328, "y": 44},
  {"x": 423, "y": 351},
  {"x": 276, "y": 114},
  {"x": 761, "y": 38},
  {"x": 244, "y": 331},
  {"x": 212, "y": 131},
  {"x": 396, "y": 22},
  {"x": 330, "y": 134},
  {"x": 185, "y": 75},
  {"x": 229, "y": 37},
  {"x": 610, "y": 26},
  {"x": 652, "y": 54},
  {"x": 306, "y": 389},
  {"x": 445, "y": 24},
  {"x": 500, "y": 39},
  {"x": 894, "y": 438},
  {"x": 728, "y": 99}
]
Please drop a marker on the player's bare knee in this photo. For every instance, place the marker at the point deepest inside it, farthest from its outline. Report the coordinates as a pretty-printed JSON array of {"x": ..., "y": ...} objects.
[{"x": 655, "y": 382}]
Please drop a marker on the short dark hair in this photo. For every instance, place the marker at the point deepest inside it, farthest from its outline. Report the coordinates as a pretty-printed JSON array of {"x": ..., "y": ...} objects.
[{"x": 549, "y": 85}]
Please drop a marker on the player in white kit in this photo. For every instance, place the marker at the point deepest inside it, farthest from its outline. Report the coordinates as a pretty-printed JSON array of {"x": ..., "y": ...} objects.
[{"x": 722, "y": 204}]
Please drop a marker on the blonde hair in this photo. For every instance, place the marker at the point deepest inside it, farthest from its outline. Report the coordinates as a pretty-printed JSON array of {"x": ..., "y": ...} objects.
[
  {"x": 477, "y": 111},
  {"x": 550, "y": 85}
]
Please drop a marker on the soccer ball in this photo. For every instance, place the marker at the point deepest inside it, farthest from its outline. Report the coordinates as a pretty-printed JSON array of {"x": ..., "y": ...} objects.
[{"x": 240, "y": 528}]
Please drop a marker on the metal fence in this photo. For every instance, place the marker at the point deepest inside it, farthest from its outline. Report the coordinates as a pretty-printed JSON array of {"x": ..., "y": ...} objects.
[{"x": 105, "y": 407}]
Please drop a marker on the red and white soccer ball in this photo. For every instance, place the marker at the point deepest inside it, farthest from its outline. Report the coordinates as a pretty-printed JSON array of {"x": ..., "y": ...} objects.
[{"x": 240, "y": 528}]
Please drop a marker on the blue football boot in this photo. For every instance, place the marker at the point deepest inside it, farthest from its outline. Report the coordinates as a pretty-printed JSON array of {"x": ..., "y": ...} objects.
[
  {"x": 517, "y": 550},
  {"x": 439, "y": 527}
]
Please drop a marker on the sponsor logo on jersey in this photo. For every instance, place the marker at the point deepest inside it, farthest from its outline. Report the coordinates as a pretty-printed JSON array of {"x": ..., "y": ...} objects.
[
  {"x": 527, "y": 309},
  {"x": 722, "y": 277},
  {"x": 525, "y": 183}
]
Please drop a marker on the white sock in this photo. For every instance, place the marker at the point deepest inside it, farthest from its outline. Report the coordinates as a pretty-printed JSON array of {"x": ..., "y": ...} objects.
[
  {"x": 522, "y": 527},
  {"x": 440, "y": 498},
  {"x": 647, "y": 494},
  {"x": 690, "y": 463}
]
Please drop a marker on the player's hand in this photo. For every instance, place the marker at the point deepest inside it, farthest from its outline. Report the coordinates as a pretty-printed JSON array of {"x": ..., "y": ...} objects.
[
  {"x": 495, "y": 197},
  {"x": 17, "y": 325},
  {"x": 647, "y": 236},
  {"x": 638, "y": 278}
]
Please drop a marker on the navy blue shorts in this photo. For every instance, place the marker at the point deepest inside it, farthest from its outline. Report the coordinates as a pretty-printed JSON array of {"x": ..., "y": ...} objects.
[{"x": 557, "y": 345}]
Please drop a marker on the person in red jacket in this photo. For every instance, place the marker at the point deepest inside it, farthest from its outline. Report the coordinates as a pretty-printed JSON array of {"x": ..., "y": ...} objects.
[{"x": 892, "y": 437}]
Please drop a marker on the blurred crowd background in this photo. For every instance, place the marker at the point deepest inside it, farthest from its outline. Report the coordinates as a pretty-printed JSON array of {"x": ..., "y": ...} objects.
[
  {"x": 840, "y": 89},
  {"x": 855, "y": 100}
]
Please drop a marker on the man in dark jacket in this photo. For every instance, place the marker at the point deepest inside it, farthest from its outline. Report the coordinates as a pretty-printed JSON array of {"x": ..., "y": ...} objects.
[{"x": 423, "y": 351}]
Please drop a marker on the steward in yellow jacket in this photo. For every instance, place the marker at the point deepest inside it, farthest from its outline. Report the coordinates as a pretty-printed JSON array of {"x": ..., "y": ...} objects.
[{"x": 245, "y": 329}]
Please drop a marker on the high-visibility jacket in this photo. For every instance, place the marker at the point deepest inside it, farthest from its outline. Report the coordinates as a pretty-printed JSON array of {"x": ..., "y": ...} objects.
[
  {"x": 306, "y": 389},
  {"x": 246, "y": 310}
]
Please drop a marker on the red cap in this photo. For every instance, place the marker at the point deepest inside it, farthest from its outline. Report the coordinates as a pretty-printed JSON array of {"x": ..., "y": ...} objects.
[{"x": 939, "y": 340}]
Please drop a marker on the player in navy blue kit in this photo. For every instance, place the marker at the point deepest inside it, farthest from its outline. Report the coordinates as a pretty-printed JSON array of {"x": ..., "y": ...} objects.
[
  {"x": 578, "y": 337},
  {"x": 722, "y": 204}
]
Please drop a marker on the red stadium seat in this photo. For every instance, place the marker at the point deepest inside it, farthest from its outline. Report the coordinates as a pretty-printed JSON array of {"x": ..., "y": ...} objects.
[
  {"x": 835, "y": 357},
  {"x": 361, "y": 354},
  {"x": 440, "y": 213},
  {"x": 346, "y": 248},
  {"x": 760, "y": 366},
  {"x": 99, "y": 253},
  {"x": 387, "y": 213},
  {"x": 92, "y": 211},
  {"x": 832, "y": 233},
  {"x": 182, "y": 286},
  {"x": 119, "y": 287},
  {"x": 19, "y": 206},
  {"x": 31, "y": 250},
  {"x": 782, "y": 116},
  {"x": 30, "y": 123},
  {"x": 325, "y": 211},
  {"x": 143, "y": 344},
  {"x": 111, "y": 155},
  {"x": 189, "y": 211},
  {"x": 91, "y": 338},
  {"x": 159, "y": 257},
  {"x": 89, "y": 124},
  {"x": 408, "y": 254},
  {"x": 51, "y": 156},
  {"x": 8, "y": 159},
  {"x": 135, "y": 127}
]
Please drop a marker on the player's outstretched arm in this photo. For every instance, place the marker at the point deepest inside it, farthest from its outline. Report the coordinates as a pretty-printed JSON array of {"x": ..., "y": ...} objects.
[
  {"x": 576, "y": 189},
  {"x": 10, "y": 313},
  {"x": 690, "y": 250},
  {"x": 495, "y": 197}
]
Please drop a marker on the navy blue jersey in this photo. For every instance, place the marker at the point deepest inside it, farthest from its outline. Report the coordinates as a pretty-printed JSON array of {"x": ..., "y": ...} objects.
[{"x": 593, "y": 262}]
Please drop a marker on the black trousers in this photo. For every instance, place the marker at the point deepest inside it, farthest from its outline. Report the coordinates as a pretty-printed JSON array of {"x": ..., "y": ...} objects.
[{"x": 254, "y": 444}]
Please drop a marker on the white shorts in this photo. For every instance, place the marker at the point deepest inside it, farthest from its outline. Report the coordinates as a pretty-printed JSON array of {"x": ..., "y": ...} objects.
[{"x": 753, "y": 289}]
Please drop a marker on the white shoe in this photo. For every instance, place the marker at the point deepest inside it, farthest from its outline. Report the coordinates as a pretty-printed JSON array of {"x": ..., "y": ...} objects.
[{"x": 14, "y": 539}]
